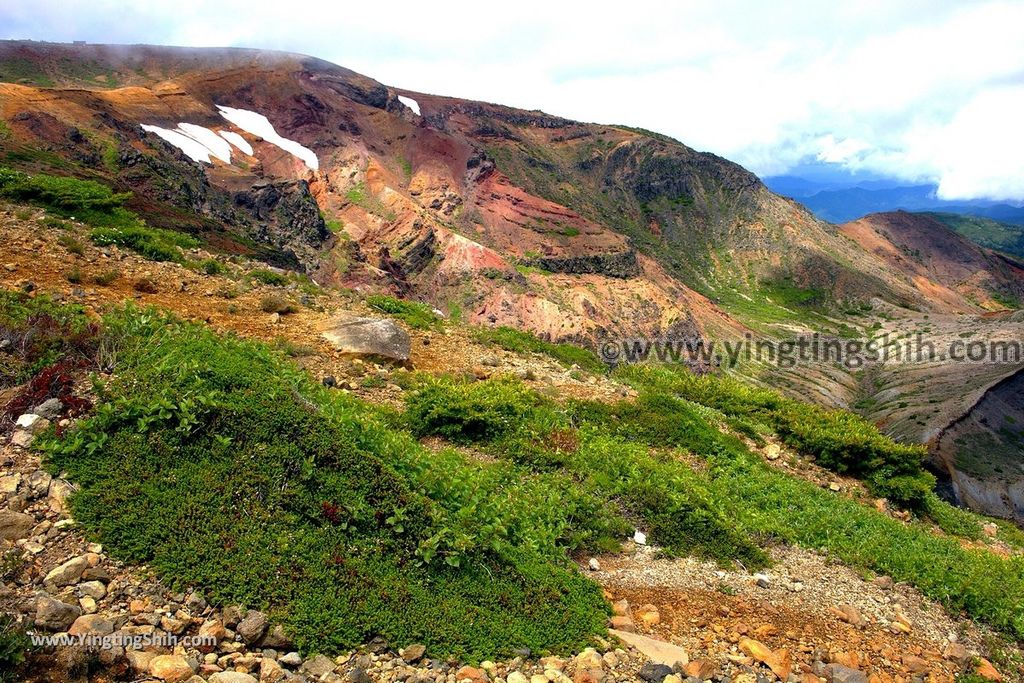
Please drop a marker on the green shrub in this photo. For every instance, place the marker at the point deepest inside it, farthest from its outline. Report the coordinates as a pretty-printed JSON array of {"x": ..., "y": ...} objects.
[
  {"x": 518, "y": 341},
  {"x": 212, "y": 266},
  {"x": 14, "y": 645},
  {"x": 836, "y": 439},
  {"x": 242, "y": 476},
  {"x": 155, "y": 244},
  {"x": 107, "y": 277},
  {"x": 268, "y": 277},
  {"x": 275, "y": 303},
  {"x": 468, "y": 412},
  {"x": 416, "y": 315},
  {"x": 71, "y": 244}
]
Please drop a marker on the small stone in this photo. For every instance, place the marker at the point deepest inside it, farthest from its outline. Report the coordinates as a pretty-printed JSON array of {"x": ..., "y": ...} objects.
[
  {"x": 594, "y": 565},
  {"x": 639, "y": 537},
  {"x": 15, "y": 525},
  {"x": 414, "y": 653},
  {"x": 170, "y": 668},
  {"x": 68, "y": 573},
  {"x": 10, "y": 483},
  {"x": 838, "y": 673},
  {"x": 317, "y": 666},
  {"x": 762, "y": 580},
  {"x": 957, "y": 653},
  {"x": 834, "y": 487},
  {"x": 987, "y": 671},
  {"x": 49, "y": 409},
  {"x": 517, "y": 677},
  {"x": 292, "y": 659},
  {"x": 54, "y": 615},
  {"x": 358, "y": 675},
  {"x": 231, "y": 677},
  {"x": 88, "y": 604},
  {"x": 252, "y": 627},
  {"x": 93, "y": 589},
  {"x": 701, "y": 669},
  {"x": 589, "y": 659},
  {"x": 654, "y": 673},
  {"x": 883, "y": 582},
  {"x": 991, "y": 529},
  {"x": 850, "y": 614},
  {"x": 91, "y": 625},
  {"x": 469, "y": 673},
  {"x": 270, "y": 670},
  {"x": 780, "y": 662}
]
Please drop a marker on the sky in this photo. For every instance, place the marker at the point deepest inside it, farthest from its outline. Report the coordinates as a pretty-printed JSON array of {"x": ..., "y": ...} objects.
[{"x": 923, "y": 91}]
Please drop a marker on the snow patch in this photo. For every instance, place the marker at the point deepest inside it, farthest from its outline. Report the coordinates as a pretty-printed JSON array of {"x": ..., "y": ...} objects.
[
  {"x": 217, "y": 145},
  {"x": 193, "y": 149},
  {"x": 259, "y": 125},
  {"x": 411, "y": 103},
  {"x": 236, "y": 140}
]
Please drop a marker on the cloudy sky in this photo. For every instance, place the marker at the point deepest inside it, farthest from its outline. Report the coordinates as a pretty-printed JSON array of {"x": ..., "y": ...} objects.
[{"x": 929, "y": 90}]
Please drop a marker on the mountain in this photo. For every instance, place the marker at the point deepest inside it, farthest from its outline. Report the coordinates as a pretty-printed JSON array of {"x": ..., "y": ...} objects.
[
  {"x": 946, "y": 265},
  {"x": 1005, "y": 237},
  {"x": 577, "y": 232},
  {"x": 337, "y": 377},
  {"x": 844, "y": 200}
]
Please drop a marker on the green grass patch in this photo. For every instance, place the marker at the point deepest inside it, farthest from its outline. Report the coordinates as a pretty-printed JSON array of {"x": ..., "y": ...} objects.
[
  {"x": 518, "y": 341},
  {"x": 98, "y": 206},
  {"x": 240, "y": 475},
  {"x": 415, "y": 314}
]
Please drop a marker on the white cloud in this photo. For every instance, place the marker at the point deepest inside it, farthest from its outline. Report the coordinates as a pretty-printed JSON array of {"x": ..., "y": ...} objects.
[{"x": 897, "y": 87}]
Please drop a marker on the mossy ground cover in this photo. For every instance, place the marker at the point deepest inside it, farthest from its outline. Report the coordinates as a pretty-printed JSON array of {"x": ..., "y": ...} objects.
[
  {"x": 220, "y": 464},
  {"x": 98, "y": 206}
]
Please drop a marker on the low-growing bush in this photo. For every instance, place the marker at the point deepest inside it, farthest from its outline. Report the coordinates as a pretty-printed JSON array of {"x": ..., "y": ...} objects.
[
  {"x": 836, "y": 439},
  {"x": 519, "y": 341},
  {"x": 71, "y": 244},
  {"x": 107, "y": 277},
  {"x": 465, "y": 412},
  {"x": 14, "y": 646},
  {"x": 155, "y": 244},
  {"x": 268, "y": 277},
  {"x": 275, "y": 303},
  {"x": 243, "y": 477},
  {"x": 212, "y": 266},
  {"x": 415, "y": 314}
]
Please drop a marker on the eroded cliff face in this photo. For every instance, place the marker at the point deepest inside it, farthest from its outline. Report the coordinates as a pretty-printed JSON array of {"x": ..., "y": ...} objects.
[{"x": 983, "y": 451}]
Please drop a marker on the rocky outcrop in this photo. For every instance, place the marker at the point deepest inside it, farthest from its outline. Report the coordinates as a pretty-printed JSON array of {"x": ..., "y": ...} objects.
[
  {"x": 982, "y": 455},
  {"x": 286, "y": 217},
  {"x": 623, "y": 264}
]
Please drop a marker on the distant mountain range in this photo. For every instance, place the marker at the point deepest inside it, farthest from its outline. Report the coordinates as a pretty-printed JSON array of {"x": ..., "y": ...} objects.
[{"x": 839, "y": 200}]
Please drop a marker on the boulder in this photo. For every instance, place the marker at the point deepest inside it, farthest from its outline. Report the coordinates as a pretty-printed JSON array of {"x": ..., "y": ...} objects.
[
  {"x": 15, "y": 525},
  {"x": 54, "y": 615},
  {"x": 369, "y": 336},
  {"x": 68, "y": 573}
]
